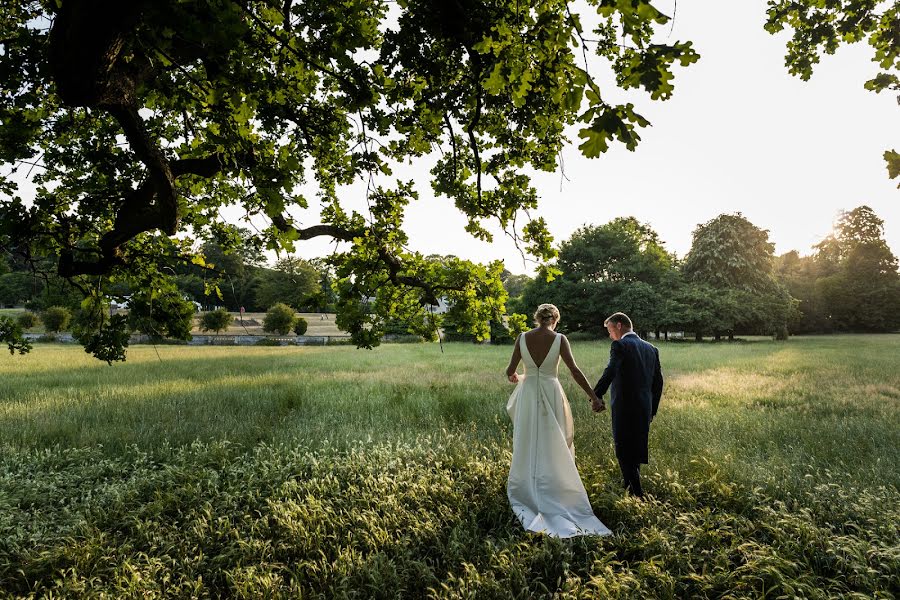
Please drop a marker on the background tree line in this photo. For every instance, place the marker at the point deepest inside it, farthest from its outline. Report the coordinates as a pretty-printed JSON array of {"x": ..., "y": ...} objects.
[
  {"x": 729, "y": 283},
  {"x": 243, "y": 277}
]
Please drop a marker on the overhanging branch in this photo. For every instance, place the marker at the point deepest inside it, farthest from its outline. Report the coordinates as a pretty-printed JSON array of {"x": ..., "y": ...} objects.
[{"x": 308, "y": 233}]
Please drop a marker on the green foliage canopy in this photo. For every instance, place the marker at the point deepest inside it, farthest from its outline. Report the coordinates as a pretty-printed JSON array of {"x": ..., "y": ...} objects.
[
  {"x": 293, "y": 281},
  {"x": 861, "y": 286},
  {"x": 263, "y": 105},
  {"x": 822, "y": 26},
  {"x": 15, "y": 288},
  {"x": 731, "y": 252},
  {"x": 734, "y": 260},
  {"x": 599, "y": 265}
]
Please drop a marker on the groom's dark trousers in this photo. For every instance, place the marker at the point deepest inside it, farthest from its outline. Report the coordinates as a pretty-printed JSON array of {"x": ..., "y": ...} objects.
[{"x": 635, "y": 382}]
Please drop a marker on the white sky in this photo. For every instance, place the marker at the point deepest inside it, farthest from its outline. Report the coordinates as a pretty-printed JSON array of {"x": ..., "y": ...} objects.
[{"x": 739, "y": 134}]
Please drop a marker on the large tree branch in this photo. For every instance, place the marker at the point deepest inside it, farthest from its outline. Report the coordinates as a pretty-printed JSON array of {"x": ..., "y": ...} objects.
[
  {"x": 136, "y": 215},
  {"x": 395, "y": 266},
  {"x": 69, "y": 267},
  {"x": 473, "y": 124},
  {"x": 286, "y": 13},
  {"x": 308, "y": 233},
  {"x": 149, "y": 152},
  {"x": 204, "y": 167}
]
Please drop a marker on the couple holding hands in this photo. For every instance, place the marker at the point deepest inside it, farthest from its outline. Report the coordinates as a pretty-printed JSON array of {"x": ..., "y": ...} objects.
[{"x": 544, "y": 487}]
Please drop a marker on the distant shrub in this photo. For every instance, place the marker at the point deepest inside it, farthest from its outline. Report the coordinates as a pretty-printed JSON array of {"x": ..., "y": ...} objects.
[
  {"x": 500, "y": 335},
  {"x": 216, "y": 320},
  {"x": 27, "y": 320},
  {"x": 279, "y": 319},
  {"x": 396, "y": 327},
  {"x": 56, "y": 319},
  {"x": 300, "y": 326},
  {"x": 507, "y": 330},
  {"x": 451, "y": 335}
]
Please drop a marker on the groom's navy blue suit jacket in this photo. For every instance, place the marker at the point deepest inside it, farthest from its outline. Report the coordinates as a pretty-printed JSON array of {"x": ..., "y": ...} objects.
[{"x": 636, "y": 381}]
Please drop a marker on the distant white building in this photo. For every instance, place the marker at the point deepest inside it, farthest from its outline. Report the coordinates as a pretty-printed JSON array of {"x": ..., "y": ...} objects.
[
  {"x": 442, "y": 306},
  {"x": 116, "y": 305}
]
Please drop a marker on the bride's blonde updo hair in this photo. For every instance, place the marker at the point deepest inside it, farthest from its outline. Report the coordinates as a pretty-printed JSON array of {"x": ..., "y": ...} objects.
[{"x": 546, "y": 314}]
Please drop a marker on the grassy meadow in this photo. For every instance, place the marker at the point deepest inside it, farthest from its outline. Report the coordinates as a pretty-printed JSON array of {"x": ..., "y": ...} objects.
[{"x": 329, "y": 472}]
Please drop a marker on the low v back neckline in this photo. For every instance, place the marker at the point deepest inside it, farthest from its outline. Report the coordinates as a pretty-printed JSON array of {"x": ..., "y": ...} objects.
[{"x": 546, "y": 356}]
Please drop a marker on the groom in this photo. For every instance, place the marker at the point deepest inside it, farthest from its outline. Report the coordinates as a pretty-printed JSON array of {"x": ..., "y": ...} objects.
[{"x": 637, "y": 382}]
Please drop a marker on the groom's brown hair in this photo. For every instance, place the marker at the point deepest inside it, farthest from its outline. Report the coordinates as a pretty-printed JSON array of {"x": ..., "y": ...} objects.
[{"x": 619, "y": 317}]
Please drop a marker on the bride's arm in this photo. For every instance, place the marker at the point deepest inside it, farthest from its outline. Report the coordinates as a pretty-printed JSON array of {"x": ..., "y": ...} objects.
[
  {"x": 565, "y": 351},
  {"x": 514, "y": 363}
]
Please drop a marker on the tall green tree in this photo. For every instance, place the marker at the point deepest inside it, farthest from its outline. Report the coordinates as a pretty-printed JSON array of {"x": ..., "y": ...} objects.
[
  {"x": 515, "y": 284},
  {"x": 599, "y": 265},
  {"x": 15, "y": 288},
  {"x": 229, "y": 268},
  {"x": 730, "y": 252},
  {"x": 147, "y": 117},
  {"x": 324, "y": 299},
  {"x": 863, "y": 292},
  {"x": 293, "y": 281},
  {"x": 642, "y": 302},
  {"x": 798, "y": 274},
  {"x": 734, "y": 259}
]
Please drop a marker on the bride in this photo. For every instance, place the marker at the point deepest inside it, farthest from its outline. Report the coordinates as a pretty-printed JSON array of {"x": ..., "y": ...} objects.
[{"x": 544, "y": 487}]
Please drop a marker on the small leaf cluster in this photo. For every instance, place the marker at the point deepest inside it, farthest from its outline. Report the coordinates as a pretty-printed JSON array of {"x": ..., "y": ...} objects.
[
  {"x": 822, "y": 27},
  {"x": 11, "y": 335},
  {"x": 110, "y": 341}
]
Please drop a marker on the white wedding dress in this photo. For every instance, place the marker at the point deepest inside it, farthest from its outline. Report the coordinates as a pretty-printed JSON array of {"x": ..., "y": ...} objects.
[{"x": 544, "y": 487}]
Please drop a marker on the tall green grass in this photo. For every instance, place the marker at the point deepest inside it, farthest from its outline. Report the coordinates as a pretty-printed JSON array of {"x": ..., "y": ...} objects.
[{"x": 333, "y": 472}]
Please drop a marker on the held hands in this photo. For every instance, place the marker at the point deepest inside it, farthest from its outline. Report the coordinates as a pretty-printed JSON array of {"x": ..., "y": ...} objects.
[
  {"x": 597, "y": 404},
  {"x": 514, "y": 378}
]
